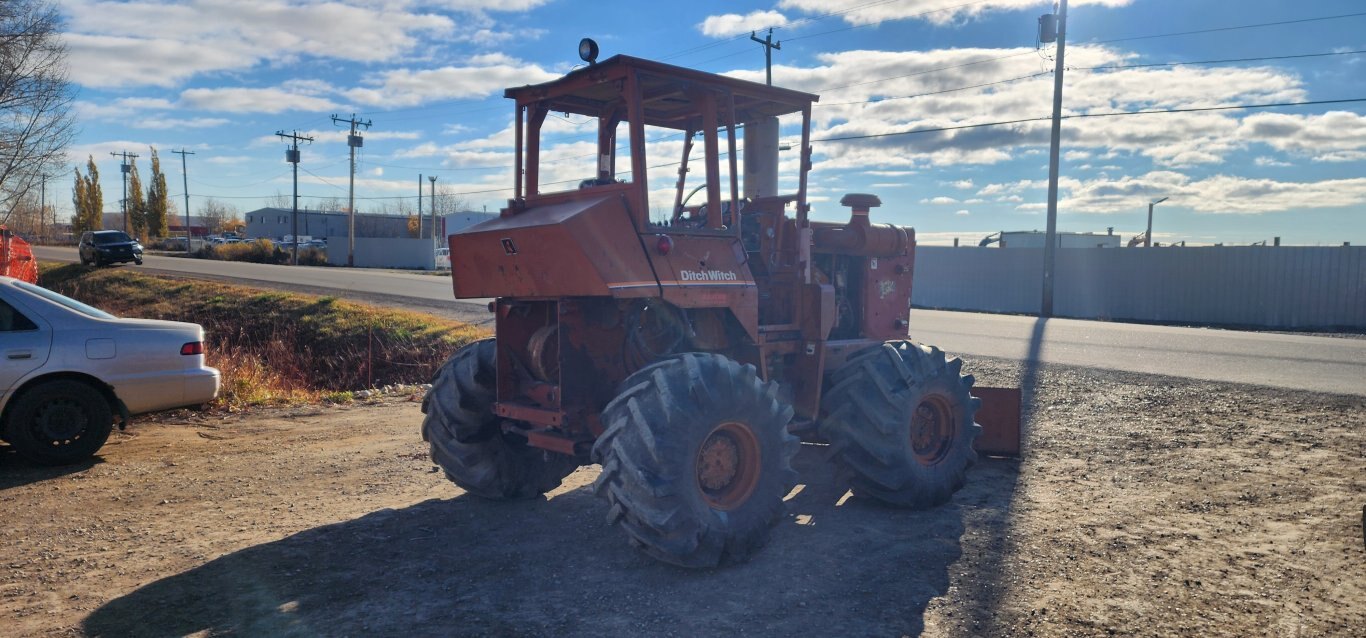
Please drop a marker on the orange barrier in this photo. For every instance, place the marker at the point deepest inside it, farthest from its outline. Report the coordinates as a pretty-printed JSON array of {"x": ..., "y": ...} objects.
[{"x": 16, "y": 258}]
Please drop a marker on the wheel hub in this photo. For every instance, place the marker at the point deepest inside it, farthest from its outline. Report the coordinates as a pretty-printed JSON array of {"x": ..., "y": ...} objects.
[
  {"x": 728, "y": 466},
  {"x": 60, "y": 421},
  {"x": 931, "y": 430}
]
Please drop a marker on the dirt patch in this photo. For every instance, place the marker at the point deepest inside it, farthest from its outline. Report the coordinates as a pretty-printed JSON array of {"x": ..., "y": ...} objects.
[{"x": 1145, "y": 506}]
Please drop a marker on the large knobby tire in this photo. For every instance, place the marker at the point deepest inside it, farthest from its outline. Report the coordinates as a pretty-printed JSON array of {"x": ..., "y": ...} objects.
[
  {"x": 696, "y": 459},
  {"x": 60, "y": 422},
  {"x": 467, "y": 439},
  {"x": 900, "y": 424}
]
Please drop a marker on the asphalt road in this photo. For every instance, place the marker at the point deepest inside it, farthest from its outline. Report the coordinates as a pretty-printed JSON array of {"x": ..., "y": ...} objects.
[{"x": 1296, "y": 362}]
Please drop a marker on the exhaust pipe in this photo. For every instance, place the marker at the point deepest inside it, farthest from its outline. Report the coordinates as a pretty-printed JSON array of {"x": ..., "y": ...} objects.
[{"x": 860, "y": 236}]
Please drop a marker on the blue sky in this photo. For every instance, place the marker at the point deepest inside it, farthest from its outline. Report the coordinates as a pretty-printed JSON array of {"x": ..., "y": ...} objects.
[{"x": 220, "y": 77}]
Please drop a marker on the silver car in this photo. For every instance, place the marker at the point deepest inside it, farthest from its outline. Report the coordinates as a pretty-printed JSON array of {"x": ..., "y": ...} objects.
[{"x": 67, "y": 370}]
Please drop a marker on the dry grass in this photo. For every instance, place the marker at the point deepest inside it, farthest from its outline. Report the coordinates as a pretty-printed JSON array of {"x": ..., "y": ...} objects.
[
  {"x": 261, "y": 251},
  {"x": 276, "y": 347}
]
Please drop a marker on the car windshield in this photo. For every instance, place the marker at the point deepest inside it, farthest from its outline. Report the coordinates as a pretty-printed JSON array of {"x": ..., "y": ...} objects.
[
  {"x": 115, "y": 237},
  {"x": 64, "y": 301}
]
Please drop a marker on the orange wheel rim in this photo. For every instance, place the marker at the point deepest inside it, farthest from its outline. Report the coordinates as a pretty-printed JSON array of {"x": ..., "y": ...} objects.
[
  {"x": 728, "y": 463},
  {"x": 931, "y": 430}
]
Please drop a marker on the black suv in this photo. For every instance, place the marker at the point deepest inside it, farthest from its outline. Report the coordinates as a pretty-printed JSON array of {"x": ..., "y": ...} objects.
[{"x": 102, "y": 247}]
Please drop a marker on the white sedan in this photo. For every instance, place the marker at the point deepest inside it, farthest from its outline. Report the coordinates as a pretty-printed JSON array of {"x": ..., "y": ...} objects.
[{"x": 67, "y": 370}]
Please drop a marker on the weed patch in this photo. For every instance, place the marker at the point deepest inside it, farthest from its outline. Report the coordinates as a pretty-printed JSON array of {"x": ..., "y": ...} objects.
[
  {"x": 261, "y": 251},
  {"x": 275, "y": 347}
]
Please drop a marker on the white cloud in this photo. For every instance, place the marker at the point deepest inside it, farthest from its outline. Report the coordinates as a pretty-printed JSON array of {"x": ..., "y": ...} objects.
[
  {"x": 486, "y": 75},
  {"x": 228, "y": 160},
  {"x": 962, "y": 212},
  {"x": 490, "y": 5},
  {"x": 252, "y": 100},
  {"x": 109, "y": 43},
  {"x": 962, "y": 184},
  {"x": 178, "y": 123},
  {"x": 1269, "y": 161},
  {"x": 857, "y": 90},
  {"x": 861, "y": 12},
  {"x": 1341, "y": 156},
  {"x": 724, "y": 26},
  {"x": 1324, "y": 135},
  {"x": 940, "y": 201},
  {"x": 1216, "y": 194}
]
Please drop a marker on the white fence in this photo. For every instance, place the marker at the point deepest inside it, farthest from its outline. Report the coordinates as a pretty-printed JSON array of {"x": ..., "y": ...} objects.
[
  {"x": 1269, "y": 287},
  {"x": 376, "y": 252}
]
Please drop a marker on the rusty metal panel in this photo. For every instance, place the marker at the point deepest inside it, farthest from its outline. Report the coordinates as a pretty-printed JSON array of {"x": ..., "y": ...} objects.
[
  {"x": 579, "y": 247},
  {"x": 999, "y": 416},
  {"x": 887, "y": 296}
]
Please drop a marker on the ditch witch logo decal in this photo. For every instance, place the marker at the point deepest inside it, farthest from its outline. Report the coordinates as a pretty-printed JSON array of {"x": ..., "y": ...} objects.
[{"x": 707, "y": 275}]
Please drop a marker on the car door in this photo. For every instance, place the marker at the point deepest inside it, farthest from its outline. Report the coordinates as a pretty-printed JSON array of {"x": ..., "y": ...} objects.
[{"x": 25, "y": 344}]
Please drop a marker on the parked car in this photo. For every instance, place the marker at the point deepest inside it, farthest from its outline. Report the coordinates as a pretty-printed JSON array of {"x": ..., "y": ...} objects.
[
  {"x": 70, "y": 370},
  {"x": 102, "y": 247},
  {"x": 443, "y": 259}
]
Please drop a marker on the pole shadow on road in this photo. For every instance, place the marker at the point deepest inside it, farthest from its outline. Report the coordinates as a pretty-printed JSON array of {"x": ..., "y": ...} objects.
[{"x": 464, "y": 566}]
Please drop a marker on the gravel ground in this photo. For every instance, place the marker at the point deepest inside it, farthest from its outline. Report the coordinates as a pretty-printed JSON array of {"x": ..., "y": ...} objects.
[{"x": 1143, "y": 506}]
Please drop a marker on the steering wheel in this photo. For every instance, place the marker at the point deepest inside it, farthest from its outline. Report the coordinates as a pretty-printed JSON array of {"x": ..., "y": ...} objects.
[{"x": 683, "y": 206}]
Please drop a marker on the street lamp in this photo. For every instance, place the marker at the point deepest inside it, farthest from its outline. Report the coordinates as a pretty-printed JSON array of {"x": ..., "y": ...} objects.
[{"x": 1148, "y": 236}]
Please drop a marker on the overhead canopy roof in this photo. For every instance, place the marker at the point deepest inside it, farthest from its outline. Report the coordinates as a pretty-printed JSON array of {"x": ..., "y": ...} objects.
[{"x": 595, "y": 90}]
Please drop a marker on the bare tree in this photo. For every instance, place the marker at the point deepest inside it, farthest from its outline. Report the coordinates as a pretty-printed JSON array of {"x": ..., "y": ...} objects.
[
  {"x": 332, "y": 205},
  {"x": 219, "y": 217},
  {"x": 36, "y": 124},
  {"x": 280, "y": 200},
  {"x": 447, "y": 201}
]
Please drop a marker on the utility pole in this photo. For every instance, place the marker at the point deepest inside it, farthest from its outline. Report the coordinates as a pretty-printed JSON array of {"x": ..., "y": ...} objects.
[
  {"x": 185, "y": 181},
  {"x": 1051, "y": 237},
  {"x": 419, "y": 205},
  {"x": 292, "y": 156},
  {"x": 769, "y": 46},
  {"x": 125, "y": 167},
  {"x": 354, "y": 141},
  {"x": 431, "y": 203}
]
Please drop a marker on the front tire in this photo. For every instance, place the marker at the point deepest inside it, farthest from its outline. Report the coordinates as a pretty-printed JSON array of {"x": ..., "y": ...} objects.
[
  {"x": 60, "y": 422},
  {"x": 467, "y": 439},
  {"x": 696, "y": 459},
  {"x": 900, "y": 424}
]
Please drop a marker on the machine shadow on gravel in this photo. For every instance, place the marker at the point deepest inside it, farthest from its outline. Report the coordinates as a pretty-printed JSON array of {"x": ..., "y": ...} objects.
[
  {"x": 466, "y": 566},
  {"x": 16, "y": 472}
]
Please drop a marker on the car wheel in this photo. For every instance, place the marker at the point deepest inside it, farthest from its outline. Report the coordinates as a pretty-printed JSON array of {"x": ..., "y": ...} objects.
[
  {"x": 60, "y": 422},
  {"x": 138, "y": 261}
]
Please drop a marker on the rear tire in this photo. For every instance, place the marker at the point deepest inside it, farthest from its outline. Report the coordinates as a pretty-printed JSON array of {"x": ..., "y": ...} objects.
[
  {"x": 696, "y": 459},
  {"x": 900, "y": 424},
  {"x": 60, "y": 422},
  {"x": 467, "y": 439}
]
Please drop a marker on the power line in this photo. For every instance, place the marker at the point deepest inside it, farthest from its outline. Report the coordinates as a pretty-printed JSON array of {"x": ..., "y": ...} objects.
[
  {"x": 1109, "y": 67},
  {"x": 1083, "y": 115},
  {"x": 926, "y": 71},
  {"x": 1234, "y": 28},
  {"x": 1159, "y": 35},
  {"x": 1225, "y": 61},
  {"x": 961, "y": 88}
]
